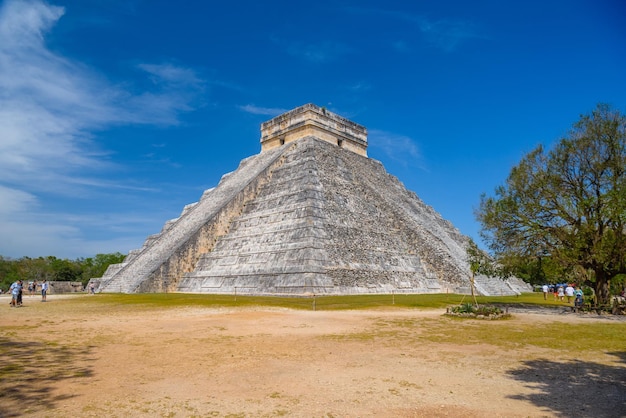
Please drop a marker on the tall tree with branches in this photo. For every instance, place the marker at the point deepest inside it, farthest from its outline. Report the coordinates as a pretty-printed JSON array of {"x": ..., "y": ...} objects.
[{"x": 568, "y": 204}]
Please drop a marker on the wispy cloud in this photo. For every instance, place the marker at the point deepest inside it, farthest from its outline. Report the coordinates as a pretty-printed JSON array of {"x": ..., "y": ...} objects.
[
  {"x": 51, "y": 108},
  {"x": 399, "y": 148},
  {"x": 14, "y": 201},
  {"x": 316, "y": 53},
  {"x": 170, "y": 76},
  {"x": 360, "y": 87},
  {"x": 266, "y": 111},
  {"x": 444, "y": 33}
]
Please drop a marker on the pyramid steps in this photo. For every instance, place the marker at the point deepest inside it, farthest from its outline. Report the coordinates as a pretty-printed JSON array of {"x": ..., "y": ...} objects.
[
  {"x": 490, "y": 286},
  {"x": 159, "y": 249},
  {"x": 284, "y": 231},
  {"x": 310, "y": 214}
]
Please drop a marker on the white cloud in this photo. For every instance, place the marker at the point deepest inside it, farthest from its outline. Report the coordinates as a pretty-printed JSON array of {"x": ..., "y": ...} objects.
[
  {"x": 267, "y": 111},
  {"x": 61, "y": 237},
  {"x": 15, "y": 201},
  {"x": 51, "y": 108},
  {"x": 173, "y": 75},
  {"x": 399, "y": 148},
  {"x": 23, "y": 23},
  {"x": 49, "y": 105}
]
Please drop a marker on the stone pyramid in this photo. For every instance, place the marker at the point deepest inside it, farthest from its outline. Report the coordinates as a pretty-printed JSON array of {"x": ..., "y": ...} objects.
[{"x": 310, "y": 214}]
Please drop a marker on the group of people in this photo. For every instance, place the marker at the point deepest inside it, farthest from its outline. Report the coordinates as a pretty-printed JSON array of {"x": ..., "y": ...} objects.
[
  {"x": 562, "y": 291},
  {"x": 16, "y": 291}
]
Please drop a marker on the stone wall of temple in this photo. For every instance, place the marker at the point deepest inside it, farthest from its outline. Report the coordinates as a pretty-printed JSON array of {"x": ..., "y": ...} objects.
[{"x": 312, "y": 120}]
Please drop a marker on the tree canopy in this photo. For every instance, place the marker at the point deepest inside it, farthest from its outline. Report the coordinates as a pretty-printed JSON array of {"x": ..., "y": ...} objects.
[
  {"x": 52, "y": 268},
  {"x": 567, "y": 204}
]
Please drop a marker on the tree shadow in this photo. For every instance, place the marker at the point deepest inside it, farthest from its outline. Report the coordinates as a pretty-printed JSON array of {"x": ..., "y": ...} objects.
[
  {"x": 575, "y": 388},
  {"x": 29, "y": 371}
]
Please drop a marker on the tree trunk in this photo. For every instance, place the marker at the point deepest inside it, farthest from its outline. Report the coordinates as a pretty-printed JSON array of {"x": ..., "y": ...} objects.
[
  {"x": 472, "y": 290},
  {"x": 602, "y": 287}
]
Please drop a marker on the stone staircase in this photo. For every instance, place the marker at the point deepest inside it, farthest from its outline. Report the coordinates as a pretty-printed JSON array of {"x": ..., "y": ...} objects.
[
  {"x": 305, "y": 217},
  {"x": 277, "y": 245},
  {"x": 159, "y": 248},
  {"x": 492, "y": 286},
  {"x": 329, "y": 222}
]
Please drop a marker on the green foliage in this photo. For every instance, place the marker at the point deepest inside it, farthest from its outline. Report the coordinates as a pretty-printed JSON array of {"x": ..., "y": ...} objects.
[
  {"x": 464, "y": 308},
  {"x": 8, "y": 273},
  {"x": 480, "y": 262},
  {"x": 538, "y": 270},
  {"x": 480, "y": 310},
  {"x": 65, "y": 270},
  {"x": 52, "y": 268},
  {"x": 95, "y": 267},
  {"x": 618, "y": 284},
  {"x": 567, "y": 206}
]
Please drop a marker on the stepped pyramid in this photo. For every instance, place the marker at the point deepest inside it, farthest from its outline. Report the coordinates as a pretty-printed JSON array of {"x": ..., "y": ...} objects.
[{"x": 310, "y": 214}]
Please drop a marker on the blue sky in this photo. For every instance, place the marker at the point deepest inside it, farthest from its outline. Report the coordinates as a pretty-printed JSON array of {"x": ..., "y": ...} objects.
[{"x": 116, "y": 114}]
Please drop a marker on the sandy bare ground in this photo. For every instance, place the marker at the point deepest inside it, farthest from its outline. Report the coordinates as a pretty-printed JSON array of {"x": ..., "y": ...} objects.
[{"x": 198, "y": 362}]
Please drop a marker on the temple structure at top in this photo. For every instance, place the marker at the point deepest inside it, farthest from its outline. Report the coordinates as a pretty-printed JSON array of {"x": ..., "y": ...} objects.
[{"x": 312, "y": 120}]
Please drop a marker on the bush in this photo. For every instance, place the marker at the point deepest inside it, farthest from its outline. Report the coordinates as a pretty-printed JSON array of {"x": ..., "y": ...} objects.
[{"x": 483, "y": 311}]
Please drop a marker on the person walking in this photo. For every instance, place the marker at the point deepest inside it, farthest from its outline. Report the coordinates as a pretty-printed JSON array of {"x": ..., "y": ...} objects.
[
  {"x": 20, "y": 294},
  {"x": 44, "y": 290},
  {"x": 569, "y": 292},
  {"x": 545, "y": 289},
  {"x": 15, "y": 289}
]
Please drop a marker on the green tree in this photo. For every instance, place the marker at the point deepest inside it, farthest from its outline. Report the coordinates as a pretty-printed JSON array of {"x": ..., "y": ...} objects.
[
  {"x": 568, "y": 204},
  {"x": 65, "y": 270},
  {"x": 31, "y": 269},
  {"x": 8, "y": 272},
  {"x": 96, "y": 266},
  {"x": 51, "y": 268},
  {"x": 540, "y": 270},
  {"x": 479, "y": 263}
]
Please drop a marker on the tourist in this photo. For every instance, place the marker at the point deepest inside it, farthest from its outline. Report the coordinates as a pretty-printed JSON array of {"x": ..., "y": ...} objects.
[
  {"x": 569, "y": 292},
  {"x": 20, "y": 293},
  {"x": 578, "y": 301},
  {"x": 561, "y": 293},
  {"x": 44, "y": 290},
  {"x": 92, "y": 288},
  {"x": 15, "y": 290},
  {"x": 545, "y": 289}
]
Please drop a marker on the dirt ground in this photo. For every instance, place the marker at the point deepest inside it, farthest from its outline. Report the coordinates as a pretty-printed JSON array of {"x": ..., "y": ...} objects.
[{"x": 199, "y": 362}]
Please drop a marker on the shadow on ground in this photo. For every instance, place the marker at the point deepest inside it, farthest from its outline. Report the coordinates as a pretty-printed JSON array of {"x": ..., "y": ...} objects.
[
  {"x": 30, "y": 370},
  {"x": 575, "y": 388}
]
